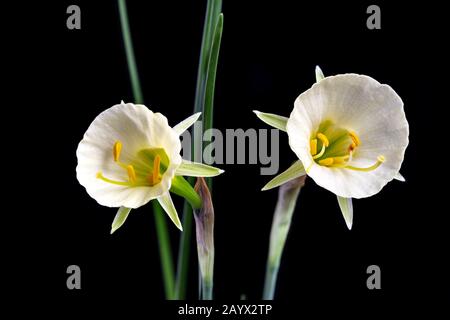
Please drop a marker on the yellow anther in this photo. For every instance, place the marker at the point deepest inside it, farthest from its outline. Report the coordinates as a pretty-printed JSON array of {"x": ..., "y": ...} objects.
[
  {"x": 355, "y": 139},
  {"x": 156, "y": 168},
  {"x": 131, "y": 173},
  {"x": 313, "y": 146},
  {"x": 381, "y": 158},
  {"x": 116, "y": 150},
  {"x": 326, "y": 162},
  {"x": 324, "y": 139}
]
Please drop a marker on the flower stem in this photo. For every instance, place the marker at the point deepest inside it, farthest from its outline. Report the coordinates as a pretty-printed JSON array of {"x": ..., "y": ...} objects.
[
  {"x": 184, "y": 252},
  {"x": 165, "y": 252},
  {"x": 160, "y": 222},
  {"x": 287, "y": 198},
  {"x": 129, "y": 51},
  {"x": 184, "y": 189},
  {"x": 213, "y": 8}
]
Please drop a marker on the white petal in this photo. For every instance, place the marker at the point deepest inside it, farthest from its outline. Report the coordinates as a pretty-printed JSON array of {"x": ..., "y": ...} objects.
[
  {"x": 359, "y": 103},
  {"x": 399, "y": 177},
  {"x": 186, "y": 123},
  {"x": 166, "y": 203},
  {"x": 274, "y": 120},
  {"x": 136, "y": 127},
  {"x": 319, "y": 74},
  {"x": 346, "y": 206},
  {"x": 194, "y": 169},
  {"x": 294, "y": 171}
]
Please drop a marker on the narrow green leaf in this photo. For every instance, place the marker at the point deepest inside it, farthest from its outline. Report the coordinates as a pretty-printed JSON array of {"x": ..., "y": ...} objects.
[
  {"x": 120, "y": 218},
  {"x": 294, "y": 171},
  {"x": 129, "y": 51},
  {"x": 194, "y": 169},
  {"x": 213, "y": 8},
  {"x": 208, "y": 110},
  {"x": 319, "y": 74},
  {"x": 346, "y": 206},
  {"x": 274, "y": 120}
]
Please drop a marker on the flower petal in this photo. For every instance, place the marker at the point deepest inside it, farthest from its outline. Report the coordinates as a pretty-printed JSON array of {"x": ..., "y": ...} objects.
[
  {"x": 346, "y": 205},
  {"x": 195, "y": 169},
  {"x": 186, "y": 123},
  {"x": 359, "y": 103},
  {"x": 319, "y": 74},
  {"x": 274, "y": 120},
  {"x": 166, "y": 203},
  {"x": 399, "y": 177},
  {"x": 294, "y": 171},
  {"x": 120, "y": 218},
  {"x": 137, "y": 128}
]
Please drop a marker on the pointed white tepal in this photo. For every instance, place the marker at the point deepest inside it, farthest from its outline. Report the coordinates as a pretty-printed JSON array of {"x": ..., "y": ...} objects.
[{"x": 346, "y": 206}]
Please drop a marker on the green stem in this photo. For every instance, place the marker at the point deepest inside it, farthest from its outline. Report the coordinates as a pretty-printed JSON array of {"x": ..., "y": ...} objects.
[
  {"x": 213, "y": 8},
  {"x": 287, "y": 199},
  {"x": 184, "y": 189},
  {"x": 134, "y": 76},
  {"x": 165, "y": 251},
  {"x": 184, "y": 252}
]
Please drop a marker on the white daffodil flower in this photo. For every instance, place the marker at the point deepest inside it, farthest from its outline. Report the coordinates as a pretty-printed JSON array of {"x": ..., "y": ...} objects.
[
  {"x": 349, "y": 133},
  {"x": 130, "y": 155}
]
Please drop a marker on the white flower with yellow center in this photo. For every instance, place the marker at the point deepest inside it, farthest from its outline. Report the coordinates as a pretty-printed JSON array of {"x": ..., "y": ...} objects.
[
  {"x": 350, "y": 134},
  {"x": 130, "y": 155}
]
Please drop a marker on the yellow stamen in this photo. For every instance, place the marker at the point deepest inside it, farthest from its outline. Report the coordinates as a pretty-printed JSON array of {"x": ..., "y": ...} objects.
[
  {"x": 340, "y": 160},
  {"x": 120, "y": 183},
  {"x": 324, "y": 139},
  {"x": 156, "y": 168},
  {"x": 116, "y": 150},
  {"x": 313, "y": 146},
  {"x": 322, "y": 151},
  {"x": 350, "y": 155},
  {"x": 355, "y": 138},
  {"x": 131, "y": 173},
  {"x": 380, "y": 160},
  {"x": 326, "y": 162}
]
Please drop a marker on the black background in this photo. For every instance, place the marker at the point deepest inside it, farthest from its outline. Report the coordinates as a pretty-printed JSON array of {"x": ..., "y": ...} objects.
[{"x": 269, "y": 50}]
